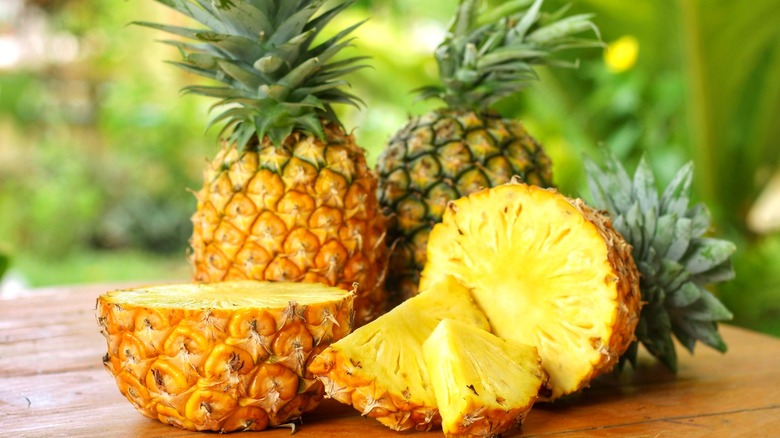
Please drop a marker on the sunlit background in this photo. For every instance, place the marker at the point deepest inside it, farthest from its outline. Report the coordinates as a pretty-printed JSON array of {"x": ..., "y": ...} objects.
[{"x": 99, "y": 152}]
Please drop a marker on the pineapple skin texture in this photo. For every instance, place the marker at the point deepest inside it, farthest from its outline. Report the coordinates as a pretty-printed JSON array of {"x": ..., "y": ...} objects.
[
  {"x": 220, "y": 370},
  {"x": 440, "y": 157},
  {"x": 624, "y": 308},
  {"x": 380, "y": 369},
  {"x": 304, "y": 212}
]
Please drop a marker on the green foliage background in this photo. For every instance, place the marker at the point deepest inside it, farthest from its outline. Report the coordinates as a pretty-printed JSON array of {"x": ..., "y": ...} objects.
[{"x": 97, "y": 154}]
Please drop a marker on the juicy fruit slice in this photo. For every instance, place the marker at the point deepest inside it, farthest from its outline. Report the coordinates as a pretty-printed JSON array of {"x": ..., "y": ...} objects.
[
  {"x": 547, "y": 271},
  {"x": 379, "y": 369},
  {"x": 484, "y": 385},
  {"x": 221, "y": 356}
]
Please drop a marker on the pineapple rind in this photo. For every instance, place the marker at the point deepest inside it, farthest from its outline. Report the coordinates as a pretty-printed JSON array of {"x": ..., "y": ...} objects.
[
  {"x": 547, "y": 271},
  {"x": 380, "y": 369},
  {"x": 200, "y": 360},
  {"x": 484, "y": 385}
]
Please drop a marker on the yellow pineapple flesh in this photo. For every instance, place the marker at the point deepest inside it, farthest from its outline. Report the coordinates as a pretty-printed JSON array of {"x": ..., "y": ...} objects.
[
  {"x": 484, "y": 385},
  {"x": 379, "y": 369},
  {"x": 547, "y": 271},
  {"x": 224, "y": 356}
]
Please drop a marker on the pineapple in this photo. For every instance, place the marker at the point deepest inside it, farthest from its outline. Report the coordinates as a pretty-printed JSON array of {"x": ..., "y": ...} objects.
[
  {"x": 466, "y": 146},
  {"x": 547, "y": 271},
  {"x": 289, "y": 197},
  {"x": 225, "y": 356},
  {"x": 484, "y": 385},
  {"x": 380, "y": 369},
  {"x": 676, "y": 259}
]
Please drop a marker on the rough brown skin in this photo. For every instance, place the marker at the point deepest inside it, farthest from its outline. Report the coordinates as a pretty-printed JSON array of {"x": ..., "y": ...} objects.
[{"x": 306, "y": 211}]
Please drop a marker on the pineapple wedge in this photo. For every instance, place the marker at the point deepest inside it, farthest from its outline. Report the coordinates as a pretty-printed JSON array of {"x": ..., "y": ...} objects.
[
  {"x": 379, "y": 369},
  {"x": 221, "y": 356},
  {"x": 484, "y": 385},
  {"x": 547, "y": 271}
]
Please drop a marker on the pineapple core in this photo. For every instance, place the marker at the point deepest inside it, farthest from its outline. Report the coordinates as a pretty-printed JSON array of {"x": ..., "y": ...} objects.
[
  {"x": 547, "y": 271},
  {"x": 484, "y": 385}
]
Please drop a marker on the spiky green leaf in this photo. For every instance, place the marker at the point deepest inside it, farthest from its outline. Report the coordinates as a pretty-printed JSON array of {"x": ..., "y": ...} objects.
[
  {"x": 707, "y": 253},
  {"x": 676, "y": 263}
]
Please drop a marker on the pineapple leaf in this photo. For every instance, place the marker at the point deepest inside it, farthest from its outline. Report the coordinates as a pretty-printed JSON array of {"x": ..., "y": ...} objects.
[
  {"x": 722, "y": 272},
  {"x": 644, "y": 187},
  {"x": 243, "y": 18},
  {"x": 519, "y": 31},
  {"x": 249, "y": 77},
  {"x": 675, "y": 262},
  {"x": 676, "y": 195},
  {"x": 704, "y": 331},
  {"x": 291, "y": 27},
  {"x": 262, "y": 52},
  {"x": 685, "y": 295},
  {"x": 197, "y": 13},
  {"x": 706, "y": 308},
  {"x": 664, "y": 233},
  {"x": 700, "y": 216},
  {"x": 563, "y": 28},
  {"x": 175, "y": 30},
  {"x": 479, "y": 44},
  {"x": 681, "y": 240},
  {"x": 706, "y": 253},
  {"x": 202, "y": 90}
]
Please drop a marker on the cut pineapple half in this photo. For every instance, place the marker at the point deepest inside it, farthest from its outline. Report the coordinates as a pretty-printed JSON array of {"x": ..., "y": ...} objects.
[
  {"x": 379, "y": 369},
  {"x": 484, "y": 385},
  {"x": 221, "y": 356},
  {"x": 547, "y": 271}
]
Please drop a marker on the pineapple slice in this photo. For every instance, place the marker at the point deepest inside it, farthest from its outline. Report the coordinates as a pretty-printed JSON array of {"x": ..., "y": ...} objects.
[
  {"x": 379, "y": 369},
  {"x": 547, "y": 271},
  {"x": 484, "y": 385},
  {"x": 221, "y": 356}
]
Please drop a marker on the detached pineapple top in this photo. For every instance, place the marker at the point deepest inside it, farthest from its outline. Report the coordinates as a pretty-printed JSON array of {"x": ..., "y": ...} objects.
[
  {"x": 491, "y": 55},
  {"x": 675, "y": 257},
  {"x": 273, "y": 78}
]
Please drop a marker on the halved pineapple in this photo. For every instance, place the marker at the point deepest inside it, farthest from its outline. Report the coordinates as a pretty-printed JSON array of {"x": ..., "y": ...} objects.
[
  {"x": 221, "y": 356},
  {"x": 547, "y": 271},
  {"x": 484, "y": 385},
  {"x": 379, "y": 369}
]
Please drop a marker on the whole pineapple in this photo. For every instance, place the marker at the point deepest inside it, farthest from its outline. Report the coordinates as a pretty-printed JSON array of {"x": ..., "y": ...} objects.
[
  {"x": 289, "y": 197},
  {"x": 223, "y": 356},
  {"x": 676, "y": 258},
  {"x": 457, "y": 150}
]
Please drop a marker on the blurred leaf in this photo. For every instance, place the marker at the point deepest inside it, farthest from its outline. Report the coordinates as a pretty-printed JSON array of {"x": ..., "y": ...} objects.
[
  {"x": 5, "y": 261},
  {"x": 731, "y": 60}
]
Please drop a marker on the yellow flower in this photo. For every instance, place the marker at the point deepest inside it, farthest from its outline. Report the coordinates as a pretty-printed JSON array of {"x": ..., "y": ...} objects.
[{"x": 621, "y": 54}]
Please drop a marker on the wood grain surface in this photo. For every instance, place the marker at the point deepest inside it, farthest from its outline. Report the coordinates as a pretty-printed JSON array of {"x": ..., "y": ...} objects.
[{"x": 52, "y": 384}]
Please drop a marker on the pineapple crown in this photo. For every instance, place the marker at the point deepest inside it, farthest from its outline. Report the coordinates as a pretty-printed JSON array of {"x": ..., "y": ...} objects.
[
  {"x": 675, "y": 258},
  {"x": 274, "y": 79},
  {"x": 486, "y": 57}
]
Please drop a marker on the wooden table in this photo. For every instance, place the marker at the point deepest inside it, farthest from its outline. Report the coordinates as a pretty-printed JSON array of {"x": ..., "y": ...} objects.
[{"x": 52, "y": 383}]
